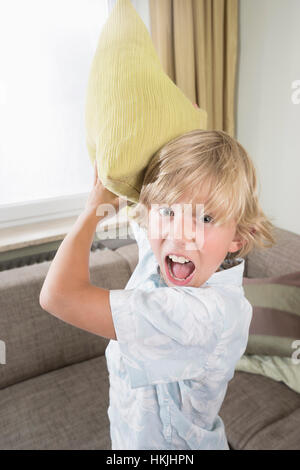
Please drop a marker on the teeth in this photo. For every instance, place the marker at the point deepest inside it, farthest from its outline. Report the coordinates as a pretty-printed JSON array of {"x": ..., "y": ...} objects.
[
  {"x": 170, "y": 271},
  {"x": 178, "y": 259}
]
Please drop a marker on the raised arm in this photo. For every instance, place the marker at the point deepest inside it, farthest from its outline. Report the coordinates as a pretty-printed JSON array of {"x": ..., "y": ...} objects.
[{"x": 67, "y": 292}]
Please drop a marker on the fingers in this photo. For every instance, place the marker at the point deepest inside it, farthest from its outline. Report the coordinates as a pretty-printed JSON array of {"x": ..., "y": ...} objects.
[{"x": 95, "y": 172}]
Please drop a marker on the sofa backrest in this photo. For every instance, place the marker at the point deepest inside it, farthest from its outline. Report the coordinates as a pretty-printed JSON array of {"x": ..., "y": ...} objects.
[
  {"x": 282, "y": 258},
  {"x": 36, "y": 341}
]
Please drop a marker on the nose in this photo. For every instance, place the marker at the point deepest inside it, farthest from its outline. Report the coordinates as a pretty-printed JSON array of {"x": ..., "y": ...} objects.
[{"x": 183, "y": 229}]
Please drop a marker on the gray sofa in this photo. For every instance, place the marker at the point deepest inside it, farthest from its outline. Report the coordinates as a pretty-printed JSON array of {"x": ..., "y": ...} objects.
[{"x": 54, "y": 384}]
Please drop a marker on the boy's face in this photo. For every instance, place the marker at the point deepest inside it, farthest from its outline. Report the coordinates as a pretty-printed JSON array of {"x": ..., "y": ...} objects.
[{"x": 172, "y": 231}]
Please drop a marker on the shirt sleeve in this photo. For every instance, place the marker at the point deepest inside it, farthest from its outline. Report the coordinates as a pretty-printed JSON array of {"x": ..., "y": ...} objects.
[{"x": 166, "y": 334}]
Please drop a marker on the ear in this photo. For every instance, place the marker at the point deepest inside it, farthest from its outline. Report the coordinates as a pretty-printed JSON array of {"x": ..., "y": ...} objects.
[{"x": 236, "y": 244}]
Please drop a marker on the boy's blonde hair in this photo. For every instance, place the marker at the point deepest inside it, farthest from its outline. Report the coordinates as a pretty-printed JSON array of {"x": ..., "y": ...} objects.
[{"x": 215, "y": 160}]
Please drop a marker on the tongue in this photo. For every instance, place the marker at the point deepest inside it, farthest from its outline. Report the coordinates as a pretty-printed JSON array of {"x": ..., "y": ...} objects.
[{"x": 182, "y": 270}]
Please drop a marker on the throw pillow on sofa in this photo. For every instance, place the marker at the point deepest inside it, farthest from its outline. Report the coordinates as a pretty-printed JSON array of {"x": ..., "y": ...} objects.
[
  {"x": 273, "y": 348},
  {"x": 275, "y": 322},
  {"x": 281, "y": 369}
]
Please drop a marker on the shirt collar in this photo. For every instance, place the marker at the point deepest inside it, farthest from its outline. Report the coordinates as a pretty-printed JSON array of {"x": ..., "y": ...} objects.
[{"x": 232, "y": 275}]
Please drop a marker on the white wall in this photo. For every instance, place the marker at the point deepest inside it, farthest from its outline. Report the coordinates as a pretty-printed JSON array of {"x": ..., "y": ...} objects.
[{"x": 268, "y": 123}]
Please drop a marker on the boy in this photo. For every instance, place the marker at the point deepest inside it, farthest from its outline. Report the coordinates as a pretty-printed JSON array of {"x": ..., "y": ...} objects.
[{"x": 182, "y": 322}]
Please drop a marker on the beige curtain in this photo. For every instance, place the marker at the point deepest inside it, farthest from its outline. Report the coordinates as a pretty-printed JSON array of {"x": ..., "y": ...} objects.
[{"x": 197, "y": 42}]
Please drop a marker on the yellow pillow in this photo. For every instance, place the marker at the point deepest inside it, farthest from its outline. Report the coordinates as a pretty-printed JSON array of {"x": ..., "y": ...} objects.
[{"x": 132, "y": 107}]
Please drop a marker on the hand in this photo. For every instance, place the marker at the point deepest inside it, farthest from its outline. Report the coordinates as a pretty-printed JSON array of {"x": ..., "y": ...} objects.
[{"x": 101, "y": 195}]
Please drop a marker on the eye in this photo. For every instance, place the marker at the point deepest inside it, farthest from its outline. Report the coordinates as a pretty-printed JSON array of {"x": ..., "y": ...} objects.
[
  {"x": 208, "y": 217},
  {"x": 165, "y": 211}
]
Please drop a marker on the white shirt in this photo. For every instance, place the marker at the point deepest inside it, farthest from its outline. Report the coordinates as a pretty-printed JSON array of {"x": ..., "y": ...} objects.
[{"x": 176, "y": 350}]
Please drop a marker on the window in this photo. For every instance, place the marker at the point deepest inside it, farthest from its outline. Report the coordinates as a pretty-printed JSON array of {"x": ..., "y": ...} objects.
[{"x": 46, "y": 49}]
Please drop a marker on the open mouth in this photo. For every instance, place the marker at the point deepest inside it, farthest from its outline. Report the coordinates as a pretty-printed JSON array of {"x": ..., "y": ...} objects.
[{"x": 179, "y": 273}]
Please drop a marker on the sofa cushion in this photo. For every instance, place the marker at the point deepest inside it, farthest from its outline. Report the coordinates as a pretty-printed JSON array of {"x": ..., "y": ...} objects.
[
  {"x": 260, "y": 414},
  {"x": 131, "y": 254},
  {"x": 36, "y": 341},
  {"x": 65, "y": 409}
]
